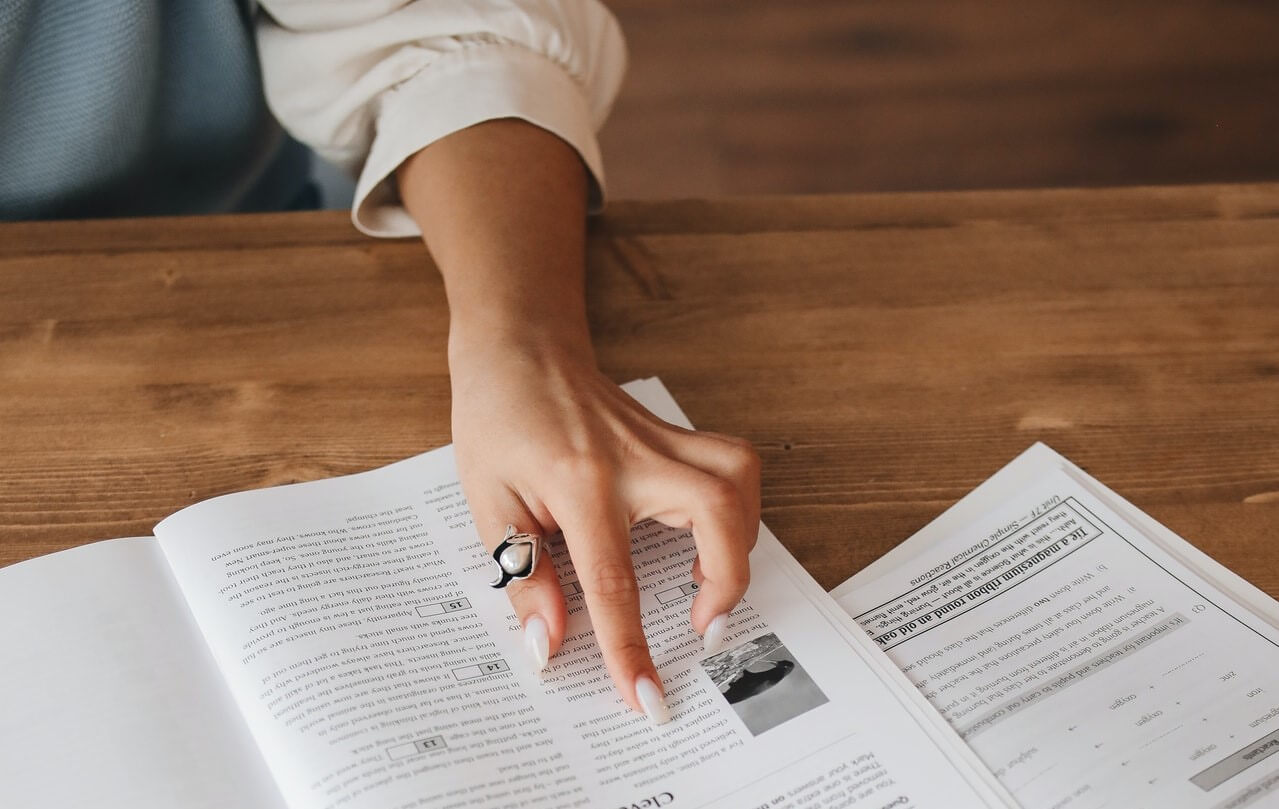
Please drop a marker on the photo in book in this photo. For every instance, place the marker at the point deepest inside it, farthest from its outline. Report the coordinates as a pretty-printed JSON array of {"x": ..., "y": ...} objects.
[{"x": 763, "y": 683}]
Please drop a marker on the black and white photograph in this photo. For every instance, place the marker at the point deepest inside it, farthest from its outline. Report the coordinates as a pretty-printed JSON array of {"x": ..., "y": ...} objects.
[{"x": 763, "y": 682}]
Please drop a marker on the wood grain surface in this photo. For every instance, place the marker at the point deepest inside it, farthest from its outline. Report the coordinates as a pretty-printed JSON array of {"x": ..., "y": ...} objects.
[
  {"x": 886, "y": 353},
  {"x": 801, "y": 96}
]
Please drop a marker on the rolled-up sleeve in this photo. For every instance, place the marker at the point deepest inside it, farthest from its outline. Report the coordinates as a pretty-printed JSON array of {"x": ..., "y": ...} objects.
[{"x": 367, "y": 83}]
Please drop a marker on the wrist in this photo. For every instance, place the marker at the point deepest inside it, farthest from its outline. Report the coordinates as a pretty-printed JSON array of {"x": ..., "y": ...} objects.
[{"x": 482, "y": 342}]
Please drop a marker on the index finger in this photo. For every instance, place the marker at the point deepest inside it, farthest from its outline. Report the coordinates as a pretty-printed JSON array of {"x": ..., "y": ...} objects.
[{"x": 597, "y": 533}]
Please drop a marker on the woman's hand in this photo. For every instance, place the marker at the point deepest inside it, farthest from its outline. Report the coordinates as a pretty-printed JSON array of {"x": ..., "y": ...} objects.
[{"x": 544, "y": 441}]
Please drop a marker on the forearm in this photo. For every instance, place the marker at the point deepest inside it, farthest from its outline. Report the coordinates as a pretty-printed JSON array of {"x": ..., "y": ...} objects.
[
  {"x": 502, "y": 208},
  {"x": 544, "y": 441}
]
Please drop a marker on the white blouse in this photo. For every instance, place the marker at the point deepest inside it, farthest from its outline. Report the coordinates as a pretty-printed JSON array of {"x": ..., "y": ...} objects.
[{"x": 367, "y": 83}]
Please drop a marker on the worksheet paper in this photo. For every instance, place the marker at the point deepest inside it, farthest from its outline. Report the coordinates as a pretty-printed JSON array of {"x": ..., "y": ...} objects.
[
  {"x": 1088, "y": 655},
  {"x": 352, "y": 622}
]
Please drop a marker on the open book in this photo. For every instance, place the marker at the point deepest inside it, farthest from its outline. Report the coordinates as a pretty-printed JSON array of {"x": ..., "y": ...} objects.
[
  {"x": 1086, "y": 653},
  {"x": 336, "y": 644}
]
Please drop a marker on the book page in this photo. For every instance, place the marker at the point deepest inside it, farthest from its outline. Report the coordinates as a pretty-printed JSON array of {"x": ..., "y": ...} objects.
[
  {"x": 110, "y": 696},
  {"x": 1090, "y": 658},
  {"x": 353, "y": 620}
]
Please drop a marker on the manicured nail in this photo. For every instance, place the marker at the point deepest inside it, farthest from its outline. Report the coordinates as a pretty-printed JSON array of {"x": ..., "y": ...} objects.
[
  {"x": 537, "y": 642},
  {"x": 651, "y": 700},
  {"x": 713, "y": 637}
]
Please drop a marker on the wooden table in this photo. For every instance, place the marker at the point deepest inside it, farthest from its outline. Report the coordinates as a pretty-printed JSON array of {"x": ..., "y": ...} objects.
[{"x": 886, "y": 353}]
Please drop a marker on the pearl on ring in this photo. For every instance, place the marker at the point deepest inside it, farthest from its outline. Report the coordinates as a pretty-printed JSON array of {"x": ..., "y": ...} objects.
[{"x": 516, "y": 556}]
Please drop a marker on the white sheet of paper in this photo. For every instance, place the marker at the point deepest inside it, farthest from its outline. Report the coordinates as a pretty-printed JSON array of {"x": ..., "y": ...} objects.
[
  {"x": 1088, "y": 655},
  {"x": 110, "y": 698}
]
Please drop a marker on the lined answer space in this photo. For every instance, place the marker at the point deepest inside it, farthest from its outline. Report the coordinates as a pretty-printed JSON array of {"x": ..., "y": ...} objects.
[
  {"x": 480, "y": 670},
  {"x": 416, "y": 748},
  {"x": 444, "y": 607},
  {"x": 674, "y": 594}
]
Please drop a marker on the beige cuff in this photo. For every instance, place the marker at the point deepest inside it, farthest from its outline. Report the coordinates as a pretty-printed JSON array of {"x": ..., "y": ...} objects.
[{"x": 464, "y": 88}]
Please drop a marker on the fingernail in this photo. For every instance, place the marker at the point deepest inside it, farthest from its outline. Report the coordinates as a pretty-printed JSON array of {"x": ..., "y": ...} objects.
[
  {"x": 651, "y": 700},
  {"x": 537, "y": 642},
  {"x": 713, "y": 637}
]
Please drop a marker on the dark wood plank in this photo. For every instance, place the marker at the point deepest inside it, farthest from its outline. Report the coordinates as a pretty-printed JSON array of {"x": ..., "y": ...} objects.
[{"x": 759, "y": 96}]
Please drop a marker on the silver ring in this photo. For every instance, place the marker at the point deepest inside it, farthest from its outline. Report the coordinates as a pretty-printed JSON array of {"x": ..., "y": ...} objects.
[{"x": 516, "y": 556}]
